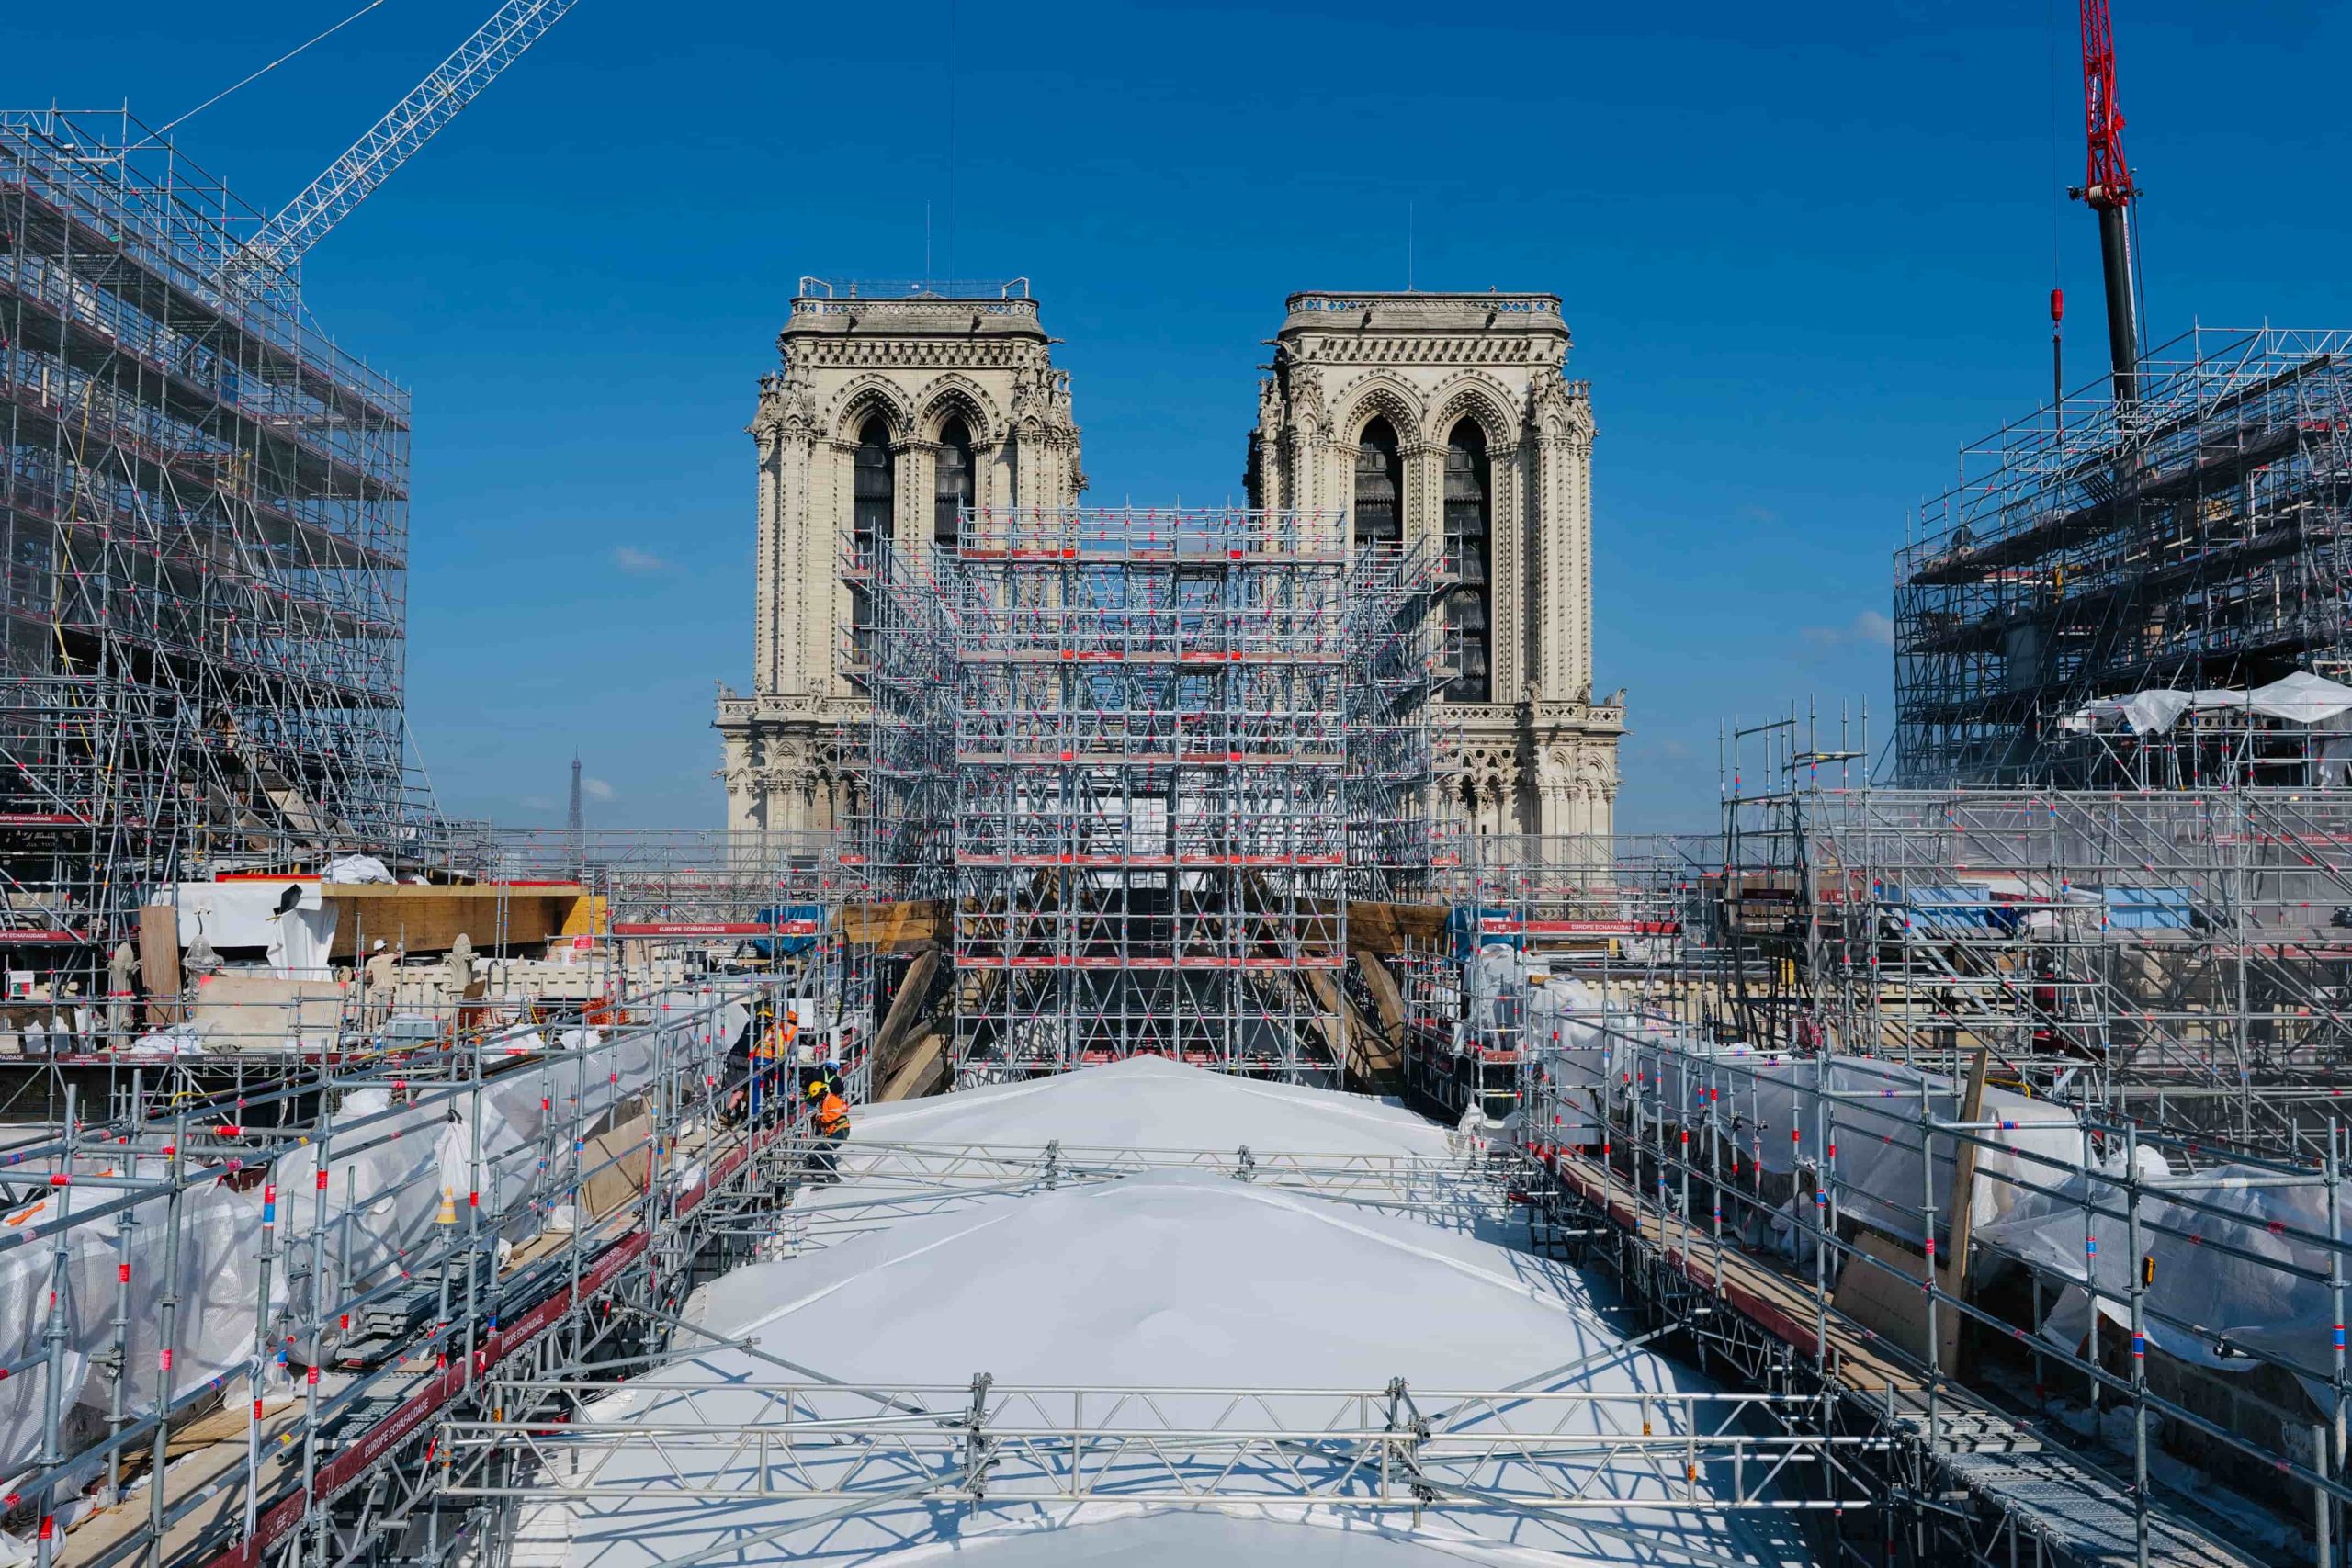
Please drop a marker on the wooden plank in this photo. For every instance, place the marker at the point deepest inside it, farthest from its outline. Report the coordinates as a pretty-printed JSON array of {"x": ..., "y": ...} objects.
[
  {"x": 922, "y": 1070},
  {"x": 1963, "y": 1219},
  {"x": 1883, "y": 1287},
  {"x": 590, "y": 916},
  {"x": 906, "y": 1007},
  {"x": 1782, "y": 1307},
  {"x": 894, "y": 928},
  {"x": 1384, "y": 928},
  {"x": 1385, "y": 994},
  {"x": 217, "y": 1467},
  {"x": 429, "y": 920},
  {"x": 159, "y": 962}
]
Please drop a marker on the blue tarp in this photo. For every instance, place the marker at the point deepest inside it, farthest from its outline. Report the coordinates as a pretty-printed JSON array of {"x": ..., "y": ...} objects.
[
  {"x": 1953, "y": 908},
  {"x": 2148, "y": 909},
  {"x": 1466, "y": 932},
  {"x": 784, "y": 914}
]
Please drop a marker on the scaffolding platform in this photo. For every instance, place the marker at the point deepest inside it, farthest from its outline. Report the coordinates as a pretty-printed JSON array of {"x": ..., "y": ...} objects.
[
  {"x": 2192, "y": 539},
  {"x": 2052, "y": 1501},
  {"x": 1146, "y": 758}
]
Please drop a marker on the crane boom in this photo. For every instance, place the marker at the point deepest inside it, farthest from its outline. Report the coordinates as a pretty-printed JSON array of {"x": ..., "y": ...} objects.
[
  {"x": 2108, "y": 189},
  {"x": 392, "y": 141}
]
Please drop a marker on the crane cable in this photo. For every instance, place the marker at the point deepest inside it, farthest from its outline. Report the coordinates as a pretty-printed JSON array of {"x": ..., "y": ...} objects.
[{"x": 159, "y": 134}]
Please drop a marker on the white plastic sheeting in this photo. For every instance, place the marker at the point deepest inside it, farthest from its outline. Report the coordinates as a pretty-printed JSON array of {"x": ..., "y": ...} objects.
[
  {"x": 2300, "y": 698},
  {"x": 1167, "y": 1280},
  {"x": 387, "y": 1169},
  {"x": 1787, "y": 1114},
  {"x": 1148, "y": 1103},
  {"x": 246, "y": 914},
  {"x": 2204, "y": 1302},
  {"x": 219, "y": 1243}
]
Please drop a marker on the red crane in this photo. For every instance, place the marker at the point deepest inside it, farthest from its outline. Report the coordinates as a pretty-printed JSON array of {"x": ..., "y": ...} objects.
[{"x": 2107, "y": 187}]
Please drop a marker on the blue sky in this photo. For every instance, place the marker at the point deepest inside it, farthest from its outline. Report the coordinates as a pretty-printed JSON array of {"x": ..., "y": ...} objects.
[{"x": 1805, "y": 252}]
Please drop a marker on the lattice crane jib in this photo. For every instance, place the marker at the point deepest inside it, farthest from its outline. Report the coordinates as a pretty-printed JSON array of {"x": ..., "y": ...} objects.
[{"x": 275, "y": 252}]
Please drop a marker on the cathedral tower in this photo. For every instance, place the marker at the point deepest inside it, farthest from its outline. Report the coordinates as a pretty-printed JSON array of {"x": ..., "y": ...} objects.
[
  {"x": 1446, "y": 418},
  {"x": 892, "y": 413}
]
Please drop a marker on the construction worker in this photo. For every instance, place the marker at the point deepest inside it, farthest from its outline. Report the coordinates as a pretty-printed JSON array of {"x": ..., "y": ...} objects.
[
  {"x": 832, "y": 1131},
  {"x": 775, "y": 1045}
]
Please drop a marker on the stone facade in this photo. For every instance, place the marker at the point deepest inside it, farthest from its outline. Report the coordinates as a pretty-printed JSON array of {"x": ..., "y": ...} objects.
[
  {"x": 1486, "y": 449},
  {"x": 871, "y": 377},
  {"x": 885, "y": 408}
]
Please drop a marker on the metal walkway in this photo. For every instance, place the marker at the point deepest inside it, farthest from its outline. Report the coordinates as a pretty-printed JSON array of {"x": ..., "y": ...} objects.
[{"x": 2014, "y": 1499}]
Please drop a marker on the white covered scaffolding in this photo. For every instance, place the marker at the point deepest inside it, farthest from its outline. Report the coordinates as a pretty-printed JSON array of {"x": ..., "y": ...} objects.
[
  {"x": 998, "y": 1329},
  {"x": 229, "y": 1317},
  {"x": 1985, "y": 1270}
]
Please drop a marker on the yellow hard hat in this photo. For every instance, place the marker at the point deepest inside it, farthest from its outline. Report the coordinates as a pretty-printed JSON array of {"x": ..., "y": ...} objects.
[{"x": 816, "y": 1090}]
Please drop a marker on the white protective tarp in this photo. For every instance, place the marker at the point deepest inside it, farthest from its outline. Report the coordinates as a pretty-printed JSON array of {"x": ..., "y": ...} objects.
[
  {"x": 1564, "y": 1025},
  {"x": 2301, "y": 698},
  {"x": 1774, "y": 1107},
  {"x": 2222, "y": 1310},
  {"x": 220, "y": 1240},
  {"x": 1177, "y": 1279},
  {"x": 388, "y": 1168},
  {"x": 290, "y": 921},
  {"x": 1147, "y": 1103}
]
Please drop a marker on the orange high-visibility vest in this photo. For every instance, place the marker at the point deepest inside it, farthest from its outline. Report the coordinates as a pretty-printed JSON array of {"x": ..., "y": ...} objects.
[{"x": 832, "y": 1115}]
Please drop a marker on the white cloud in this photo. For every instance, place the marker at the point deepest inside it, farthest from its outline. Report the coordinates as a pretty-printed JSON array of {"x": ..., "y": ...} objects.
[
  {"x": 1869, "y": 629},
  {"x": 629, "y": 558},
  {"x": 537, "y": 802},
  {"x": 595, "y": 789}
]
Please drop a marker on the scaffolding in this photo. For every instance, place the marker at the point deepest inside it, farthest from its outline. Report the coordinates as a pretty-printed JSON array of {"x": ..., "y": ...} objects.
[
  {"x": 2180, "y": 957},
  {"x": 2194, "y": 540},
  {"x": 1147, "y": 757},
  {"x": 1926, "y": 1253},
  {"x": 1625, "y": 917},
  {"x": 678, "y": 884},
  {"x": 203, "y": 512},
  {"x": 1849, "y": 1095},
  {"x": 280, "y": 1286}
]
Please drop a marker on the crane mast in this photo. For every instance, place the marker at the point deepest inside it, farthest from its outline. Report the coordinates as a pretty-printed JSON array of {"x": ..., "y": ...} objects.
[
  {"x": 272, "y": 253},
  {"x": 2106, "y": 188}
]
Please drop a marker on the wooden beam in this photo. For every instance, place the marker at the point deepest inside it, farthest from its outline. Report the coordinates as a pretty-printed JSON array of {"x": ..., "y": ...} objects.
[
  {"x": 1385, "y": 929},
  {"x": 922, "y": 1071},
  {"x": 906, "y": 1008},
  {"x": 894, "y": 928},
  {"x": 159, "y": 962},
  {"x": 429, "y": 919},
  {"x": 1963, "y": 1191},
  {"x": 1385, "y": 994}
]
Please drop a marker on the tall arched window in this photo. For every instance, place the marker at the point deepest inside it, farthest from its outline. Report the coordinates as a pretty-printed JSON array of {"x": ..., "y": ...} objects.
[
  {"x": 1469, "y": 517},
  {"x": 873, "y": 495},
  {"x": 1380, "y": 485},
  {"x": 954, "y": 491}
]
